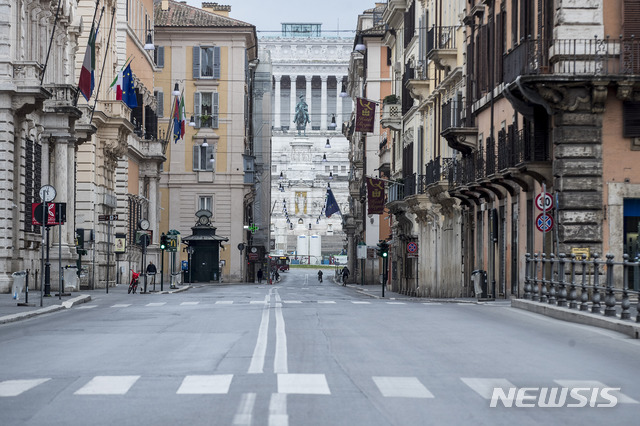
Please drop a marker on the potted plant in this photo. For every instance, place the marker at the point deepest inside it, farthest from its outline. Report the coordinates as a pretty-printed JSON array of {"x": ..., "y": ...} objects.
[{"x": 390, "y": 99}]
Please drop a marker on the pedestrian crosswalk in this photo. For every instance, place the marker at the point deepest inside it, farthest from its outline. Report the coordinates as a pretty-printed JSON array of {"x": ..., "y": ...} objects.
[
  {"x": 299, "y": 384},
  {"x": 97, "y": 303}
]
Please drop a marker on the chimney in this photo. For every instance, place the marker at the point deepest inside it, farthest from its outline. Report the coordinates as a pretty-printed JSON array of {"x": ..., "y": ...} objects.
[
  {"x": 218, "y": 9},
  {"x": 164, "y": 5}
]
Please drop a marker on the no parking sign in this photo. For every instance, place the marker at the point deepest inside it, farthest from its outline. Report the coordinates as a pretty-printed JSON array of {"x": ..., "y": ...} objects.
[{"x": 544, "y": 222}]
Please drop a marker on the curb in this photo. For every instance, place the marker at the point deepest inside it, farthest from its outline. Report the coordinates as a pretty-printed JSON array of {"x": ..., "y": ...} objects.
[
  {"x": 83, "y": 298},
  {"x": 631, "y": 329},
  {"x": 178, "y": 290}
]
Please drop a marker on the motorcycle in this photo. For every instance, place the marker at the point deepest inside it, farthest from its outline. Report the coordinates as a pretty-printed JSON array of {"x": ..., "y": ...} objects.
[{"x": 133, "y": 285}]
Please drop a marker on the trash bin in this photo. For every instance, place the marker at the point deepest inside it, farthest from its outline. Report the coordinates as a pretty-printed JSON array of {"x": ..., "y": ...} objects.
[
  {"x": 71, "y": 277},
  {"x": 479, "y": 278},
  {"x": 19, "y": 279}
]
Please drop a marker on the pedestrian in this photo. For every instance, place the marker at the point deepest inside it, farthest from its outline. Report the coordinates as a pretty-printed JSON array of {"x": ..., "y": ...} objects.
[
  {"x": 320, "y": 275},
  {"x": 260, "y": 276},
  {"x": 345, "y": 275},
  {"x": 151, "y": 270}
]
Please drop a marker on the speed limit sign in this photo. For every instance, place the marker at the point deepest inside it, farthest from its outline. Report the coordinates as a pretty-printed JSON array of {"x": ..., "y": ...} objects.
[{"x": 544, "y": 201}]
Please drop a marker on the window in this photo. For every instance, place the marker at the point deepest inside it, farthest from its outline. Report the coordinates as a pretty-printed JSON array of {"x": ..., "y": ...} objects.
[
  {"x": 205, "y": 203},
  {"x": 206, "y": 62},
  {"x": 159, "y": 103},
  {"x": 158, "y": 56},
  {"x": 327, "y": 169},
  {"x": 206, "y": 109},
  {"x": 202, "y": 156}
]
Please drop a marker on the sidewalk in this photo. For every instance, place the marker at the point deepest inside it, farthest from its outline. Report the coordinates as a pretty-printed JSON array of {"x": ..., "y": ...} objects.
[
  {"x": 10, "y": 311},
  {"x": 375, "y": 291}
]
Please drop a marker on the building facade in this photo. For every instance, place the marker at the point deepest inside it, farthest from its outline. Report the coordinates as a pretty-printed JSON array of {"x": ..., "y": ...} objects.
[{"x": 311, "y": 67}]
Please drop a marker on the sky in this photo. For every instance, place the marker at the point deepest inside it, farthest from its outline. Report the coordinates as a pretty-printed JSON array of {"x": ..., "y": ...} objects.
[{"x": 267, "y": 15}]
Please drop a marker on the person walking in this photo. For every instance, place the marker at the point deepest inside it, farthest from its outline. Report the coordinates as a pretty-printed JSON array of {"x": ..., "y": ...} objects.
[
  {"x": 260, "y": 276},
  {"x": 320, "y": 275},
  {"x": 345, "y": 275},
  {"x": 151, "y": 270}
]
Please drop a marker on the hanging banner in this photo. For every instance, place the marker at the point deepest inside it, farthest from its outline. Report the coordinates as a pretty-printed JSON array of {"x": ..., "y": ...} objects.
[
  {"x": 375, "y": 196},
  {"x": 365, "y": 115}
]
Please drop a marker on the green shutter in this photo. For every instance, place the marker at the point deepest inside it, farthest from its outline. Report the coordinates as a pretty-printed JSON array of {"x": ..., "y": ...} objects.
[
  {"x": 216, "y": 62},
  {"x": 196, "y": 108},
  {"x": 196, "y": 157},
  {"x": 196, "y": 62},
  {"x": 214, "y": 109}
]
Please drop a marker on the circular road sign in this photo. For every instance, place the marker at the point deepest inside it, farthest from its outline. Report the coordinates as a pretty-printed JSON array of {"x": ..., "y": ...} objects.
[
  {"x": 544, "y": 222},
  {"x": 412, "y": 247},
  {"x": 548, "y": 201}
]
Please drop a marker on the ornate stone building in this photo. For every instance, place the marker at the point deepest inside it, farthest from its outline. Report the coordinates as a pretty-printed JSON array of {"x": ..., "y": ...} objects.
[{"x": 310, "y": 66}]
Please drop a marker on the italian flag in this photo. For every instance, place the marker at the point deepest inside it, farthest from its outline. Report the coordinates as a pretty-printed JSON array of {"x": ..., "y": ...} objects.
[
  {"x": 117, "y": 85},
  {"x": 183, "y": 117},
  {"x": 86, "y": 82}
]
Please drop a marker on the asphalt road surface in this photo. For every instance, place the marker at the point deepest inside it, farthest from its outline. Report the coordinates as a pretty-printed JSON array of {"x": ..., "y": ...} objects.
[{"x": 304, "y": 353}]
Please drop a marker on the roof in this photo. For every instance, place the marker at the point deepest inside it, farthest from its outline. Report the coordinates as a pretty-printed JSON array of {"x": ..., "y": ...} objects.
[{"x": 183, "y": 15}]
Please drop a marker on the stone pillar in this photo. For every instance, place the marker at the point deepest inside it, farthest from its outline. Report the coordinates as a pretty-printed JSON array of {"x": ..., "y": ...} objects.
[
  {"x": 69, "y": 233},
  {"x": 61, "y": 175},
  {"x": 293, "y": 101},
  {"x": 577, "y": 167},
  {"x": 323, "y": 103},
  {"x": 339, "y": 104},
  {"x": 276, "y": 106},
  {"x": 153, "y": 207},
  {"x": 308, "y": 98}
]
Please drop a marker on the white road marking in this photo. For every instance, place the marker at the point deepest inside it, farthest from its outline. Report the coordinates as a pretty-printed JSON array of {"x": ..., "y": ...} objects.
[
  {"x": 484, "y": 387},
  {"x": 156, "y": 304},
  {"x": 257, "y": 302},
  {"x": 402, "y": 387},
  {"x": 280, "y": 362},
  {"x": 360, "y": 303},
  {"x": 121, "y": 305},
  {"x": 305, "y": 384},
  {"x": 87, "y": 306},
  {"x": 396, "y": 303},
  {"x": 189, "y": 303},
  {"x": 108, "y": 385},
  {"x": 292, "y": 301},
  {"x": 278, "y": 410},
  {"x": 326, "y": 301},
  {"x": 224, "y": 302},
  {"x": 622, "y": 398},
  {"x": 200, "y": 385},
  {"x": 16, "y": 387},
  {"x": 259, "y": 352},
  {"x": 245, "y": 410},
  {"x": 432, "y": 303}
]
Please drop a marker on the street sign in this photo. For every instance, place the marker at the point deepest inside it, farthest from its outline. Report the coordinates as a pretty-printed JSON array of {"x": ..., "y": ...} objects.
[
  {"x": 371, "y": 253},
  {"x": 547, "y": 204},
  {"x": 544, "y": 222},
  {"x": 56, "y": 214},
  {"x": 172, "y": 243},
  {"x": 412, "y": 249},
  {"x": 107, "y": 217},
  {"x": 582, "y": 253}
]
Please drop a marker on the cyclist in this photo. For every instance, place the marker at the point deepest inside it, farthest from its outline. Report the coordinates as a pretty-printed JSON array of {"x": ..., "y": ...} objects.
[{"x": 320, "y": 275}]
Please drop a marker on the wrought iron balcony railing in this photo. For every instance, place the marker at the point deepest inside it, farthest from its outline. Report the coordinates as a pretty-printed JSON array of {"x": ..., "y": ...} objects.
[
  {"x": 441, "y": 38},
  {"x": 587, "y": 57}
]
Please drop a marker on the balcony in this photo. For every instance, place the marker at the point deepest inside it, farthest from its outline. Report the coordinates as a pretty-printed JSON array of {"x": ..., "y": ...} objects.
[
  {"x": 391, "y": 116},
  {"x": 441, "y": 47},
  {"x": 396, "y": 192},
  {"x": 29, "y": 93},
  {"x": 573, "y": 57},
  {"x": 437, "y": 175},
  {"x": 385, "y": 160},
  {"x": 454, "y": 127}
]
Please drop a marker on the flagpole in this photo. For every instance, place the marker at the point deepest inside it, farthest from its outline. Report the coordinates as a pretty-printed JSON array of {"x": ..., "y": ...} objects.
[
  {"x": 106, "y": 51},
  {"x": 53, "y": 32},
  {"x": 93, "y": 23}
]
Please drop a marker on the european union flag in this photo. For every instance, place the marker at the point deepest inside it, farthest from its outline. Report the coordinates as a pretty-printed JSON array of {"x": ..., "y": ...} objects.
[
  {"x": 332, "y": 204},
  {"x": 128, "y": 91}
]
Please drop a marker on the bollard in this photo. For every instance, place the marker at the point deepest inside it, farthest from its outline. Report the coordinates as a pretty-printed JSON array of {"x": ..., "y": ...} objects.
[{"x": 610, "y": 298}]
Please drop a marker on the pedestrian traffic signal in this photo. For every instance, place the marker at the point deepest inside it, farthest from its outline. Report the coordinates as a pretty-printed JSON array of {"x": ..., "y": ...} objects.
[{"x": 163, "y": 241}]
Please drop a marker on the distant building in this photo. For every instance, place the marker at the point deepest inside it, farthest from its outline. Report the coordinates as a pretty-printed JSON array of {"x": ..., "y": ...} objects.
[{"x": 312, "y": 66}]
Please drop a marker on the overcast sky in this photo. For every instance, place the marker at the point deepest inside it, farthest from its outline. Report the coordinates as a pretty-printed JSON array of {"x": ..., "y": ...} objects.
[{"x": 267, "y": 15}]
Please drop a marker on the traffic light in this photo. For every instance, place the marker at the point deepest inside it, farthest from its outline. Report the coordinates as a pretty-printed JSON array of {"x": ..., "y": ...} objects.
[
  {"x": 80, "y": 242},
  {"x": 383, "y": 249},
  {"x": 163, "y": 241}
]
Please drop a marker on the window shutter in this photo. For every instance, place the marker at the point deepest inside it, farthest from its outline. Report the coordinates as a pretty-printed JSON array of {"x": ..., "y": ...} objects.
[
  {"x": 160, "y": 104},
  {"x": 196, "y": 157},
  {"x": 631, "y": 120},
  {"x": 214, "y": 113},
  {"x": 216, "y": 62},
  {"x": 196, "y": 108},
  {"x": 160, "y": 61},
  {"x": 631, "y": 14},
  {"x": 196, "y": 62}
]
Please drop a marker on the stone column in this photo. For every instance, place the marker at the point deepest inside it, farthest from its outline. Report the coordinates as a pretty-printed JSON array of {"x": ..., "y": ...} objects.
[
  {"x": 69, "y": 233},
  {"x": 293, "y": 101},
  {"x": 276, "y": 106},
  {"x": 323, "y": 103},
  {"x": 339, "y": 104},
  {"x": 61, "y": 179},
  {"x": 308, "y": 99},
  {"x": 153, "y": 206}
]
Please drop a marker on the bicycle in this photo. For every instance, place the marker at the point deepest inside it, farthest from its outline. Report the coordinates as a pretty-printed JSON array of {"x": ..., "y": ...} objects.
[{"x": 133, "y": 285}]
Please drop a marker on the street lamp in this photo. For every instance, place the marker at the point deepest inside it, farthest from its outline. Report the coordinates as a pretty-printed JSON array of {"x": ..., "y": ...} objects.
[{"x": 149, "y": 44}]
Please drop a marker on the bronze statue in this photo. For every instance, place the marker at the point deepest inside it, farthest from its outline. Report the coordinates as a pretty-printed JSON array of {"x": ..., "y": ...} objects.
[{"x": 301, "y": 117}]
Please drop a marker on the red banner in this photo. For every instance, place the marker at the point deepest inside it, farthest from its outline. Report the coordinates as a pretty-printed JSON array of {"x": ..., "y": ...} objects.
[
  {"x": 375, "y": 196},
  {"x": 365, "y": 115}
]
